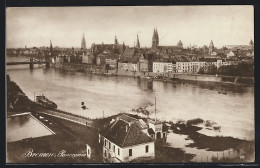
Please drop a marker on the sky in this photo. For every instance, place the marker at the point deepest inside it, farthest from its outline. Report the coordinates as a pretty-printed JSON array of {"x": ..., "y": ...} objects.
[{"x": 64, "y": 26}]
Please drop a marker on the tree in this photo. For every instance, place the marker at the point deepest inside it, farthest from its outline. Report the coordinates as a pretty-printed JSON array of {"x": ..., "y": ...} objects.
[{"x": 201, "y": 70}]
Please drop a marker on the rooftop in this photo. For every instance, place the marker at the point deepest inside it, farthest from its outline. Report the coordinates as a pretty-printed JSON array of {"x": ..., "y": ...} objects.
[{"x": 126, "y": 131}]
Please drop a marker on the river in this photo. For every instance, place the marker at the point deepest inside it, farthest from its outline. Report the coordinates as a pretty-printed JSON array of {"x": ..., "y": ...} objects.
[{"x": 233, "y": 111}]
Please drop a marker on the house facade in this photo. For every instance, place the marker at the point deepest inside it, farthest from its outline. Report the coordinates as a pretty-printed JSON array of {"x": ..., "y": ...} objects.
[
  {"x": 162, "y": 67},
  {"x": 127, "y": 139}
]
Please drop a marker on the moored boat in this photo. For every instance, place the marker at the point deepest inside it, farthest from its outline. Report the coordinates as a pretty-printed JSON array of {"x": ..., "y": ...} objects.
[{"x": 45, "y": 102}]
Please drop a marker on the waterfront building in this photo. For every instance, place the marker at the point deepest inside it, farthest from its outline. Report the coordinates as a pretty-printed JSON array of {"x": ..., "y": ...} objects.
[
  {"x": 162, "y": 67},
  {"x": 174, "y": 69},
  {"x": 126, "y": 139},
  {"x": 132, "y": 66},
  {"x": 190, "y": 67},
  {"x": 143, "y": 64},
  {"x": 87, "y": 57}
]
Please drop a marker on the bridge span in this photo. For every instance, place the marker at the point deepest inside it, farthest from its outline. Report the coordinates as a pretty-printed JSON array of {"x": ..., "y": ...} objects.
[{"x": 31, "y": 62}]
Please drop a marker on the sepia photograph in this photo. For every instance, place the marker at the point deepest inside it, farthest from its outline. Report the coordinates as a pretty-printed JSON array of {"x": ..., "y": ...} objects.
[{"x": 130, "y": 84}]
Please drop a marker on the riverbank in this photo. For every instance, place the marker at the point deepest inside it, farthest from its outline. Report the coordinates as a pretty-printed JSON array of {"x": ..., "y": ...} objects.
[{"x": 167, "y": 77}]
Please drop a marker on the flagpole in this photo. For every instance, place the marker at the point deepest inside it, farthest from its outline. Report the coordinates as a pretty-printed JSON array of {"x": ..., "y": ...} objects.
[{"x": 155, "y": 108}]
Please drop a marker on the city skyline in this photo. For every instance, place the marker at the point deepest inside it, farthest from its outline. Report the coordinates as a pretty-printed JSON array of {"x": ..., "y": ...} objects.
[{"x": 64, "y": 26}]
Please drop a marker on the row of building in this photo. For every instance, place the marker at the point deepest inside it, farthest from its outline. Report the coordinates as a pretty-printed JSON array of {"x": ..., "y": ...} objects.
[{"x": 159, "y": 59}]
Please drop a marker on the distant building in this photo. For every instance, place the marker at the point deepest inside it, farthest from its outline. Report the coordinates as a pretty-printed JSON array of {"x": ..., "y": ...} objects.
[
  {"x": 164, "y": 49},
  {"x": 162, "y": 67},
  {"x": 155, "y": 39},
  {"x": 251, "y": 44},
  {"x": 211, "y": 47},
  {"x": 143, "y": 64},
  {"x": 180, "y": 45},
  {"x": 230, "y": 54},
  {"x": 137, "y": 42},
  {"x": 83, "y": 43}
]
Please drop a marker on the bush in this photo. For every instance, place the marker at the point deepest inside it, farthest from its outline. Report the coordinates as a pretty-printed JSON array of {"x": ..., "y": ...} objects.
[{"x": 195, "y": 121}]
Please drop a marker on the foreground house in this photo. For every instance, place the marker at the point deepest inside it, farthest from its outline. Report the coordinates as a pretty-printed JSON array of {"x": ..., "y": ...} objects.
[{"x": 130, "y": 139}]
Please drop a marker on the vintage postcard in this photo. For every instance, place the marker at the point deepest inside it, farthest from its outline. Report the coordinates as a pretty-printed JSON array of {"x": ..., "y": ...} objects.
[{"x": 130, "y": 84}]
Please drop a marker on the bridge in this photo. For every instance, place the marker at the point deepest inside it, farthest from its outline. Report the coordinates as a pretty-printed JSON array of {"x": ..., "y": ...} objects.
[{"x": 31, "y": 62}]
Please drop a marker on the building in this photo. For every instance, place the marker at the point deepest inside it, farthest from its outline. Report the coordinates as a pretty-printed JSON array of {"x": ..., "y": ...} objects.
[
  {"x": 137, "y": 42},
  {"x": 162, "y": 67},
  {"x": 230, "y": 54},
  {"x": 143, "y": 64},
  {"x": 190, "y": 67},
  {"x": 126, "y": 139},
  {"x": 83, "y": 43},
  {"x": 251, "y": 45},
  {"x": 166, "y": 50},
  {"x": 211, "y": 47},
  {"x": 157, "y": 130},
  {"x": 132, "y": 66},
  {"x": 180, "y": 45},
  {"x": 155, "y": 39}
]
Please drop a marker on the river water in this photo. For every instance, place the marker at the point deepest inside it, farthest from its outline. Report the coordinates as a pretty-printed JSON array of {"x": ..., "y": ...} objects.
[{"x": 233, "y": 111}]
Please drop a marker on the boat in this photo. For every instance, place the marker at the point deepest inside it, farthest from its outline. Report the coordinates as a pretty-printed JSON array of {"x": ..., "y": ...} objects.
[{"x": 45, "y": 102}]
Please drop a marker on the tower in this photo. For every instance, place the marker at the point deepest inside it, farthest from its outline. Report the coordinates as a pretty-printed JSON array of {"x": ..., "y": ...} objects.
[
  {"x": 211, "y": 47},
  {"x": 83, "y": 42},
  {"x": 116, "y": 41},
  {"x": 180, "y": 45},
  {"x": 155, "y": 39},
  {"x": 137, "y": 42},
  {"x": 123, "y": 46},
  {"x": 251, "y": 44},
  {"x": 51, "y": 49}
]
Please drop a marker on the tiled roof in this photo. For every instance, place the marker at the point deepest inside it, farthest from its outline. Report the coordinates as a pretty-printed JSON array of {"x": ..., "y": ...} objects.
[
  {"x": 129, "y": 52},
  {"x": 126, "y": 131},
  {"x": 126, "y": 118}
]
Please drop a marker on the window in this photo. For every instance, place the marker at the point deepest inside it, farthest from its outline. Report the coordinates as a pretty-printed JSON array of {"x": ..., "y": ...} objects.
[
  {"x": 164, "y": 134},
  {"x": 114, "y": 148},
  {"x": 118, "y": 151},
  {"x": 105, "y": 142},
  {"x": 130, "y": 152},
  {"x": 88, "y": 151},
  {"x": 146, "y": 148},
  {"x": 109, "y": 144}
]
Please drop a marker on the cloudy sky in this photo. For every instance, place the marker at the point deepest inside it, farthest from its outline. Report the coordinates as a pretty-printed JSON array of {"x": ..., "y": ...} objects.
[{"x": 36, "y": 26}]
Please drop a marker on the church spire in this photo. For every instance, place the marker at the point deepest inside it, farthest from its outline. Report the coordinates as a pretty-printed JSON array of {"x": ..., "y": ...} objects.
[
  {"x": 155, "y": 40},
  {"x": 137, "y": 42},
  {"x": 211, "y": 47},
  {"x": 83, "y": 42},
  {"x": 51, "y": 46},
  {"x": 116, "y": 41}
]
